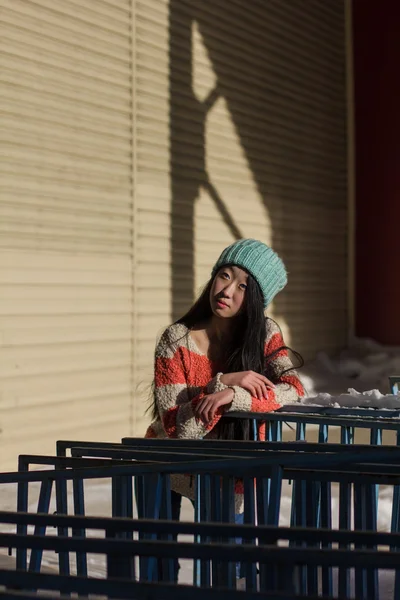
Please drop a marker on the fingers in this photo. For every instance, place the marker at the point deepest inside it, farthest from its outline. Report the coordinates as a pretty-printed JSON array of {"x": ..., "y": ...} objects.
[
  {"x": 216, "y": 406},
  {"x": 207, "y": 408},
  {"x": 257, "y": 389},
  {"x": 206, "y": 413},
  {"x": 258, "y": 385},
  {"x": 252, "y": 389},
  {"x": 264, "y": 385},
  {"x": 213, "y": 410},
  {"x": 265, "y": 381},
  {"x": 202, "y": 410},
  {"x": 199, "y": 410}
]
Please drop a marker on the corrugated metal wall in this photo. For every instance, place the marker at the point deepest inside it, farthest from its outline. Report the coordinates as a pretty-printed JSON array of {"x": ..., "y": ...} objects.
[
  {"x": 138, "y": 138},
  {"x": 65, "y": 222}
]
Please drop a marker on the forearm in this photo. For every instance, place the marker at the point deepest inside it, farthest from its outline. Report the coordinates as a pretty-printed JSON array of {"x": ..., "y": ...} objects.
[
  {"x": 186, "y": 420},
  {"x": 287, "y": 391}
]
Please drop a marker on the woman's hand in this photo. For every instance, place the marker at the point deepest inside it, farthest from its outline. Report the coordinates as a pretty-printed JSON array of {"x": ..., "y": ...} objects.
[
  {"x": 254, "y": 383},
  {"x": 206, "y": 409}
]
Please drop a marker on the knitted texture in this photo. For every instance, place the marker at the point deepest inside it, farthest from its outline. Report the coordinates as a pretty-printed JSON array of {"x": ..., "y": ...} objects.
[
  {"x": 184, "y": 375},
  {"x": 260, "y": 261}
]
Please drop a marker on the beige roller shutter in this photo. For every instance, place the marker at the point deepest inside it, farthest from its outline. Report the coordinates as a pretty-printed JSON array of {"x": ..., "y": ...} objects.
[
  {"x": 66, "y": 218},
  {"x": 241, "y": 131}
]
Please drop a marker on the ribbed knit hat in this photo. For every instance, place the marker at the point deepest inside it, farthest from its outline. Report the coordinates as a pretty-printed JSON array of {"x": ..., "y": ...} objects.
[{"x": 260, "y": 261}]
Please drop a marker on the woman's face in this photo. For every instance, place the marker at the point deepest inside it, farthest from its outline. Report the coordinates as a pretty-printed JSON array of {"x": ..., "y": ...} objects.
[{"x": 228, "y": 292}]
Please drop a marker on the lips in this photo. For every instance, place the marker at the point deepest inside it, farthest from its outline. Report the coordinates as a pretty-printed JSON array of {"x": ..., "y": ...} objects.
[{"x": 221, "y": 304}]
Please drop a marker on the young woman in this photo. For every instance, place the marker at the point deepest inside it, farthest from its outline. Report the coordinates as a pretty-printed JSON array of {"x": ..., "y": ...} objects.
[{"x": 224, "y": 355}]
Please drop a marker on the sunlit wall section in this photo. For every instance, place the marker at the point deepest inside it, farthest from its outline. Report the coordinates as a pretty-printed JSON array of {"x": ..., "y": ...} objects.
[
  {"x": 152, "y": 164},
  {"x": 65, "y": 223}
]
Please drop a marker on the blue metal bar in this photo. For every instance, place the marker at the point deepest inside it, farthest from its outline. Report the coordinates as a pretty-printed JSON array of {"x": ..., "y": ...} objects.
[
  {"x": 299, "y": 501},
  {"x": 360, "y": 524},
  {"x": 275, "y": 495},
  {"x": 344, "y": 523},
  {"x": 301, "y": 431},
  {"x": 300, "y": 436},
  {"x": 197, "y": 518},
  {"x": 216, "y": 516},
  {"x": 205, "y": 490},
  {"x": 153, "y": 500},
  {"x": 312, "y": 516},
  {"x": 371, "y": 525},
  {"x": 262, "y": 498},
  {"x": 43, "y": 507},
  {"x": 376, "y": 440},
  {"x": 381, "y": 559},
  {"x": 249, "y": 518},
  {"x": 263, "y": 491},
  {"x": 114, "y": 497},
  {"x": 323, "y": 433},
  {"x": 126, "y": 590},
  {"x": 255, "y": 429},
  {"x": 167, "y": 565},
  {"x": 326, "y": 523},
  {"x": 128, "y": 486},
  {"x": 62, "y": 509},
  {"x": 326, "y": 466},
  {"x": 275, "y": 431},
  {"x": 346, "y": 434},
  {"x": 79, "y": 509},
  {"x": 356, "y": 417},
  {"x": 269, "y": 534},
  {"x": 22, "y": 506},
  {"x": 228, "y": 570},
  {"x": 120, "y": 565}
]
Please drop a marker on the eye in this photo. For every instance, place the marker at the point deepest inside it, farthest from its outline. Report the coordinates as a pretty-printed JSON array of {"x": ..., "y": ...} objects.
[
  {"x": 243, "y": 286},
  {"x": 224, "y": 275}
]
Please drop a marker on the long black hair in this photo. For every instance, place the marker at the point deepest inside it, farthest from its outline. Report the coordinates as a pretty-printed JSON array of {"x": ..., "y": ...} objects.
[{"x": 244, "y": 352}]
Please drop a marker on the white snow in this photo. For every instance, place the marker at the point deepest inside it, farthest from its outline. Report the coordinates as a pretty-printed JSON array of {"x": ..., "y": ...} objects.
[
  {"x": 353, "y": 399},
  {"x": 364, "y": 365}
]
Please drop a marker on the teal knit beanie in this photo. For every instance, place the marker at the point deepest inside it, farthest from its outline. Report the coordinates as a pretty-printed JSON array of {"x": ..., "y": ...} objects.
[{"x": 260, "y": 261}]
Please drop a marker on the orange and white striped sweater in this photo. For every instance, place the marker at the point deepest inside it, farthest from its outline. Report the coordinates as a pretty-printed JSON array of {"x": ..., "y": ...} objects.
[{"x": 183, "y": 375}]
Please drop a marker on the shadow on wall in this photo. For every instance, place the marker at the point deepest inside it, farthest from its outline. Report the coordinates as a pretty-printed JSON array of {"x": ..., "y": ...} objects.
[
  {"x": 259, "y": 102},
  {"x": 188, "y": 172}
]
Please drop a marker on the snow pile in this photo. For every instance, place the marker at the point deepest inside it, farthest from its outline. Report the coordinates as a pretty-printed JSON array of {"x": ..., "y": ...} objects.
[
  {"x": 354, "y": 399},
  {"x": 365, "y": 365}
]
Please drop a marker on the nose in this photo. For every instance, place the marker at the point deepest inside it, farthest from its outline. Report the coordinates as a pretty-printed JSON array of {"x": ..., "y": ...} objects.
[{"x": 228, "y": 290}]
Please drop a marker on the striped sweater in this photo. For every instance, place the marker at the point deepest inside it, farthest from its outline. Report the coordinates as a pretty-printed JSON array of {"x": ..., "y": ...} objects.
[{"x": 183, "y": 375}]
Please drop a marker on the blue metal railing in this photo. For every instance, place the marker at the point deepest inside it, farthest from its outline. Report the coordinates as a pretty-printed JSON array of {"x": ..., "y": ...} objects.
[
  {"x": 278, "y": 565},
  {"x": 268, "y": 470}
]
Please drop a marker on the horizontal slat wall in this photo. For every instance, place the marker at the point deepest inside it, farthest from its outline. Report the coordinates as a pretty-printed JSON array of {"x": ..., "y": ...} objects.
[
  {"x": 238, "y": 123},
  {"x": 152, "y": 191},
  {"x": 241, "y": 131},
  {"x": 65, "y": 222}
]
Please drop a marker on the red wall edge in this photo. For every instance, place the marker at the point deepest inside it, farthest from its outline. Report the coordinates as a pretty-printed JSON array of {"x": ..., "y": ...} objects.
[{"x": 376, "y": 47}]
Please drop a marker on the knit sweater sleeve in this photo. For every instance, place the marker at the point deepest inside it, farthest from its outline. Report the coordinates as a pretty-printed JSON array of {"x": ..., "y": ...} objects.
[
  {"x": 288, "y": 387},
  {"x": 176, "y": 401}
]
